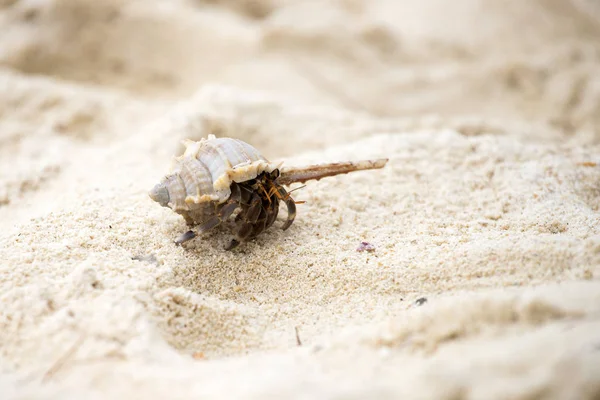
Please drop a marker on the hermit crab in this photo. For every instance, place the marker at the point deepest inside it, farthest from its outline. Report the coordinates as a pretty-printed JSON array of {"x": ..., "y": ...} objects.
[{"x": 226, "y": 181}]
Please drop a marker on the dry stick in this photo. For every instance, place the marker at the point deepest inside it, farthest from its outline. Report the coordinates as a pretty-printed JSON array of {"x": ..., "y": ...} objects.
[
  {"x": 58, "y": 364},
  {"x": 291, "y": 175}
]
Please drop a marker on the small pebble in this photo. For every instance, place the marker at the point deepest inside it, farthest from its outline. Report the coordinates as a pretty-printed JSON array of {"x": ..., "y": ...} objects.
[
  {"x": 150, "y": 258},
  {"x": 365, "y": 246},
  {"x": 420, "y": 301}
]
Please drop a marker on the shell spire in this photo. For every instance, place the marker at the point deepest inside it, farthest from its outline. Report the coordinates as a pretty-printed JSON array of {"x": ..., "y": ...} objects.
[{"x": 291, "y": 175}]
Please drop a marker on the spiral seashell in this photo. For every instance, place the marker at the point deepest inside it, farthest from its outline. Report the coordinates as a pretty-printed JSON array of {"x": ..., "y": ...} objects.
[{"x": 203, "y": 174}]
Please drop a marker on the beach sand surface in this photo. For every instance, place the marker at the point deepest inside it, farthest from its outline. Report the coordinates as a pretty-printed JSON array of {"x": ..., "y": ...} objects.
[{"x": 483, "y": 275}]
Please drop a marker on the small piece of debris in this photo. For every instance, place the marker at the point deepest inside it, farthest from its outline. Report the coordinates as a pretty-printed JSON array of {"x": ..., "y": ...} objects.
[
  {"x": 365, "y": 246},
  {"x": 150, "y": 258},
  {"x": 298, "y": 341},
  {"x": 588, "y": 164},
  {"x": 420, "y": 301},
  {"x": 198, "y": 355}
]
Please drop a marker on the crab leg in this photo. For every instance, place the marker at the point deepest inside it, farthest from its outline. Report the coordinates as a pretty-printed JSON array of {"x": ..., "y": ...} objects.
[
  {"x": 189, "y": 235},
  {"x": 216, "y": 220},
  {"x": 302, "y": 174},
  {"x": 291, "y": 206}
]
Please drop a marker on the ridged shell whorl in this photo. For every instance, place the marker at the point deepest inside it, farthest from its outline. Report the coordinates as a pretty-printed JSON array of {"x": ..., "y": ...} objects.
[{"x": 204, "y": 172}]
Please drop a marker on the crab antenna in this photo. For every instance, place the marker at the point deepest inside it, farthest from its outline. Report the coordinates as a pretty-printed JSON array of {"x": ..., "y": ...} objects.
[
  {"x": 291, "y": 175},
  {"x": 299, "y": 187}
]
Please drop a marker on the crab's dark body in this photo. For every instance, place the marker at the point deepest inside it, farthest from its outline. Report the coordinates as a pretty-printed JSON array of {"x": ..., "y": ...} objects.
[{"x": 257, "y": 204}]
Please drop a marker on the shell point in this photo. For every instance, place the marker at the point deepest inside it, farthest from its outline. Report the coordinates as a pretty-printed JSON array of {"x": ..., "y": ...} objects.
[{"x": 160, "y": 194}]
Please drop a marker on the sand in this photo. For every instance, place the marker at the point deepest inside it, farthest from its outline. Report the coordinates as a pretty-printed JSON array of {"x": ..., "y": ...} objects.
[{"x": 484, "y": 279}]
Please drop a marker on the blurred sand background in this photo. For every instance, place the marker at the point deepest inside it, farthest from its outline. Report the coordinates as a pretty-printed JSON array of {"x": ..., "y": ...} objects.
[{"x": 489, "y": 207}]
